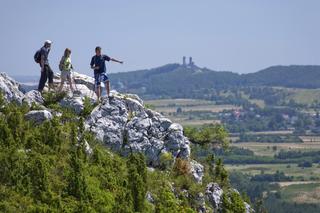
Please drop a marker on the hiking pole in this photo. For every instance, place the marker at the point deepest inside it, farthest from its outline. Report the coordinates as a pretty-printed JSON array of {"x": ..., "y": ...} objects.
[{"x": 74, "y": 81}]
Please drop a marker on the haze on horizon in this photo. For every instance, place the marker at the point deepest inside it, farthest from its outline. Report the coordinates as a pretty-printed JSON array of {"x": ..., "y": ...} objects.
[{"x": 239, "y": 36}]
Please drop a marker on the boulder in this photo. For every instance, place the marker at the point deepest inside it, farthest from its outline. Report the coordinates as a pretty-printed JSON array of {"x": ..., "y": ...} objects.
[
  {"x": 149, "y": 197},
  {"x": 38, "y": 116},
  {"x": 82, "y": 91},
  {"x": 83, "y": 80},
  {"x": 197, "y": 171},
  {"x": 213, "y": 194},
  {"x": 88, "y": 149},
  {"x": 249, "y": 209},
  {"x": 10, "y": 89},
  {"x": 75, "y": 103},
  {"x": 33, "y": 96},
  {"x": 84, "y": 85}
]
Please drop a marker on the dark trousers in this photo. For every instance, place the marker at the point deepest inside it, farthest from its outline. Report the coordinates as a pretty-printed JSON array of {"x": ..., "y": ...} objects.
[{"x": 47, "y": 73}]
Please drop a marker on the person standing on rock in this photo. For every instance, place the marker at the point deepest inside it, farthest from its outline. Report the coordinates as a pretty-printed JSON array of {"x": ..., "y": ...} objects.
[
  {"x": 46, "y": 71},
  {"x": 99, "y": 66},
  {"x": 65, "y": 67}
]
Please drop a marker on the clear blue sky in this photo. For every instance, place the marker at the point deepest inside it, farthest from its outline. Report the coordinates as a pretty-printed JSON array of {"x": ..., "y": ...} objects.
[{"x": 236, "y": 35}]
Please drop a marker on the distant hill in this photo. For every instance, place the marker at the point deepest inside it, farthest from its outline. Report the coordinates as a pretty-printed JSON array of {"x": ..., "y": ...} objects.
[
  {"x": 299, "y": 76},
  {"x": 172, "y": 80},
  {"x": 181, "y": 81}
]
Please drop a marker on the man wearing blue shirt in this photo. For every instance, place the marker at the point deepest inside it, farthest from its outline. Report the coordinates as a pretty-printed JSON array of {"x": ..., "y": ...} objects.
[{"x": 99, "y": 66}]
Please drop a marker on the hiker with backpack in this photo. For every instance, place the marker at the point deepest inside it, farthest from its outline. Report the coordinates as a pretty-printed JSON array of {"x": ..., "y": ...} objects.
[
  {"x": 99, "y": 66},
  {"x": 41, "y": 57},
  {"x": 65, "y": 67}
]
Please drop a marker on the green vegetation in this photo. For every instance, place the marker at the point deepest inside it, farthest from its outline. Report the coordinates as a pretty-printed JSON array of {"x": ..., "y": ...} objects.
[
  {"x": 269, "y": 138},
  {"x": 48, "y": 168},
  {"x": 87, "y": 107},
  {"x": 208, "y": 134},
  {"x": 294, "y": 198},
  {"x": 51, "y": 98}
]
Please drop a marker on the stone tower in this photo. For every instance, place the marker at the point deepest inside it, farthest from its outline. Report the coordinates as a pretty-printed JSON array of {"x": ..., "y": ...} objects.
[{"x": 190, "y": 61}]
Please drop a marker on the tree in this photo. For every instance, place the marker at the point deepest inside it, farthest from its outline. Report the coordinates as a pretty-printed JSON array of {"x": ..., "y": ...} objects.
[
  {"x": 77, "y": 186},
  {"x": 214, "y": 135},
  {"x": 221, "y": 174},
  {"x": 137, "y": 177},
  {"x": 232, "y": 203}
]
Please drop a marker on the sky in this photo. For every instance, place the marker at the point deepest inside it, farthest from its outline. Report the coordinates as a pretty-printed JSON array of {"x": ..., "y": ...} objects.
[{"x": 240, "y": 36}]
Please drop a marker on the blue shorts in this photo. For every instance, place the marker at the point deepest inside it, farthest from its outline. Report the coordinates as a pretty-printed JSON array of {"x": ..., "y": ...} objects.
[{"x": 100, "y": 77}]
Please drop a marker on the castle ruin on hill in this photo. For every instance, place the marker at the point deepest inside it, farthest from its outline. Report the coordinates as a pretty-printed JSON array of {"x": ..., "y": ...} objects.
[{"x": 184, "y": 62}]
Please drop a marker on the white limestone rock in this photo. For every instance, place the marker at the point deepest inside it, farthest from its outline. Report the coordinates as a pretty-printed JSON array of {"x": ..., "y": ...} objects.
[
  {"x": 213, "y": 194},
  {"x": 10, "y": 89},
  {"x": 38, "y": 116},
  {"x": 124, "y": 125},
  {"x": 33, "y": 96},
  {"x": 197, "y": 171}
]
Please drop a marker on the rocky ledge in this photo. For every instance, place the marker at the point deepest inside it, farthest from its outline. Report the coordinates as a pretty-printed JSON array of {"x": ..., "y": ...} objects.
[{"x": 125, "y": 125}]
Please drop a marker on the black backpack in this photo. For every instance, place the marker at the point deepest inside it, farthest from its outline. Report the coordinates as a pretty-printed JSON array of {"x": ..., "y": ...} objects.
[{"x": 37, "y": 57}]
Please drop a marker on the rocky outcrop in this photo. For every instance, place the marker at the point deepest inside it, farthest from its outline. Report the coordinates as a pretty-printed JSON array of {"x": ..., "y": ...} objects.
[
  {"x": 124, "y": 125},
  {"x": 249, "y": 209},
  {"x": 83, "y": 85},
  {"x": 38, "y": 116},
  {"x": 213, "y": 194},
  {"x": 33, "y": 96},
  {"x": 75, "y": 103},
  {"x": 149, "y": 197},
  {"x": 197, "y": 171},
  {"x": 10, "y": 89}
]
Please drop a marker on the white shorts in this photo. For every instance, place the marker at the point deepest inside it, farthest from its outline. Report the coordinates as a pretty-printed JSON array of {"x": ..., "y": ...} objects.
[{"x": 65, "y": 75}]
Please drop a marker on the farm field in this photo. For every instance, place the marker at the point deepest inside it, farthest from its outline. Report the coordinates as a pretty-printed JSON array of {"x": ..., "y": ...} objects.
[
  {"x": 258, "y": 102},
  {"x": 180, "y": 102},
  {"x": 270, "y": 149},
  {"x": 194, "y": 112},
  {"x": 298, "y": 173},
  {"x": 304, "y": 96},
  {"x": 301, "y": 193}
]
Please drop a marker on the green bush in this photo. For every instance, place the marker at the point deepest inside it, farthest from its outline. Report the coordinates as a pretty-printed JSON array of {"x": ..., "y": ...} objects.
[
  {"x": 214, "y": 135},
  {"x": 51, "y": 98},
  {"x": 166, "y": 160}
]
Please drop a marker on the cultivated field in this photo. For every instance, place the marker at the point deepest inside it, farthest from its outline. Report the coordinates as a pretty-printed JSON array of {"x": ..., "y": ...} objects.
[
  {"x": 267, "y": 149},
  {"x": 304, "y": 96},
  {"x": 179, "y": 102},
  {"x": 193, "y": 112},
  {"x": 302, "y": 193},
  {"x": 299, "y": 173}
]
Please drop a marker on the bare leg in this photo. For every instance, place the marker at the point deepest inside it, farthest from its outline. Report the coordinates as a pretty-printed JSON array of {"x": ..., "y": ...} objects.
[
  {"x": 61, "y": 85},
  {"x": 98, "y": 91},
  {"x": 107, "y": 83},
  {"x": 70, "y": 82}
]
